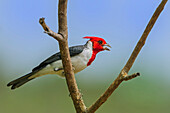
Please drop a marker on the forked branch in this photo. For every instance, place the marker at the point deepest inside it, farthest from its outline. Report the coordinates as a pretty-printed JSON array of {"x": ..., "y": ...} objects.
[
  {"x": 124, "y": 73},
  {"x": 49, "y": 31},
  {"x": 62, "y": 37}
]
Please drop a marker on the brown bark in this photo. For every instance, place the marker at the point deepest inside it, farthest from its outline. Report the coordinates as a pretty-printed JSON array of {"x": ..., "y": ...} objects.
[
  {"x": 62, "y": 37},
  {"x": 123, "y": 74}
]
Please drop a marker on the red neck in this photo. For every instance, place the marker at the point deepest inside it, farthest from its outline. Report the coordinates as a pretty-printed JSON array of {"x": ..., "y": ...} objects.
[{"x": 92, "y": 57}]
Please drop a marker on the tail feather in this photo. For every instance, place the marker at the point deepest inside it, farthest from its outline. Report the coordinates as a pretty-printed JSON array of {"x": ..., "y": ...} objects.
[{"x": 20, "y": 81}]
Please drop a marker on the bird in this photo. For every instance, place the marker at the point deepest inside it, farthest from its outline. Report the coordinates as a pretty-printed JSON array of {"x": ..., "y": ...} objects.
[{"x": 81, "y": 57}]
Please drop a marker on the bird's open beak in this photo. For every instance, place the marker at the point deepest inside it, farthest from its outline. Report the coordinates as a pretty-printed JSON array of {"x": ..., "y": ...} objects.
[{"x": 105, "y": 47}]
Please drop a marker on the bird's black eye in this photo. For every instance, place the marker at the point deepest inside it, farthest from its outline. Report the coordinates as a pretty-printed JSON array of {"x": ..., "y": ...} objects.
[{"x": 100, "y": 42}]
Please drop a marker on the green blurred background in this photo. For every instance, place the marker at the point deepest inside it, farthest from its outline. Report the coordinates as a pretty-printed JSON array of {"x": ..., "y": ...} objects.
[{"x": 23, "y": 45}]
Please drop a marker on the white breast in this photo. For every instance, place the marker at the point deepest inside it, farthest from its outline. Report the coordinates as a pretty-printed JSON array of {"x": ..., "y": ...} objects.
[{"x": 80, "y": 61}]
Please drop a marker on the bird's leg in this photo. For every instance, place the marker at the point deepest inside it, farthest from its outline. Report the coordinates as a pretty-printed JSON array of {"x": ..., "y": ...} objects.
[
  {"x": 63, "y": 74},
  {"x": 73, "y": 67},
  {"x": 58, "y": 69}
]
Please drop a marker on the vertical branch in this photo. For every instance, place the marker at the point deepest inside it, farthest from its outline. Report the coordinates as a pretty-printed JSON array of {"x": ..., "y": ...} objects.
[
  {"x": 62, "y": 18},
  {"x": 69, "y": 74},
  {"x": 123, "y": 74},
  {"x": 62, "y": 37}
]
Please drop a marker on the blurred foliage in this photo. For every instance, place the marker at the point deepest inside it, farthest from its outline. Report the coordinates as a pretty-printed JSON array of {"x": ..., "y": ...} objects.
[{"x": 50, "y": 94}]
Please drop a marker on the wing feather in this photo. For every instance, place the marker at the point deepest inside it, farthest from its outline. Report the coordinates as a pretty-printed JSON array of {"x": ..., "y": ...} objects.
[{"x": 75, "y": 50}]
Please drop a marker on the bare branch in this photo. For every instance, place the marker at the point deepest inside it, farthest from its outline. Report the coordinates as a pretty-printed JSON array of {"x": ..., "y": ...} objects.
[
  {"x": 69, "y": 74},
  {"x": 62, "y": 37},
  {"x": 49, "y": 31},
  {"x": 145, "y": 34},
  {"x": 62, "y": 18},
  {"x": 70, "y": 79},
  {"x": 129, "y": 77},
  {"x": 125, "y": 70}
]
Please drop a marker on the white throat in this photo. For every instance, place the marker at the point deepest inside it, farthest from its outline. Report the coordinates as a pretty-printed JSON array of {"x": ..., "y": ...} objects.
[{"x": 89, "y": 45}]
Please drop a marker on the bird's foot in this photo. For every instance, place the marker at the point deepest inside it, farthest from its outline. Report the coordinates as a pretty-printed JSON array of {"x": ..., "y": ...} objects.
[
  {"x": 58, "y": 69},
  {"x": 73, "y": 68}
]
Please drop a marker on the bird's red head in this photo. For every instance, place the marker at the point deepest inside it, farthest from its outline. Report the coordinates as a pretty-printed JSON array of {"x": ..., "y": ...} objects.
[{"x": 99, "y": 44}]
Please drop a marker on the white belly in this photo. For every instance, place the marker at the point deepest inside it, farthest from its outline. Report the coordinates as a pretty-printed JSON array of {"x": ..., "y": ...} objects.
[{"x": 80, "y": 61}]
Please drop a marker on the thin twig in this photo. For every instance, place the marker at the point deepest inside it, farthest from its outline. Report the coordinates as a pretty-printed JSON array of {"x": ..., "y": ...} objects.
[
  {"x": 128, "y": 77},
  {"x": 130, "y": 62},
  {"x": 49, "y": 31}
]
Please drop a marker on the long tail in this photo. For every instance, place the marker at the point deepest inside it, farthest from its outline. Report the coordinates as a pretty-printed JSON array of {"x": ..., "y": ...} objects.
[{"x": 20, "y": 81}]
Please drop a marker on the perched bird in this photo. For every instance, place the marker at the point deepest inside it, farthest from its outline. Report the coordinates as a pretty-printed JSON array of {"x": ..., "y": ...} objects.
[{"x": 81, "y": 57}]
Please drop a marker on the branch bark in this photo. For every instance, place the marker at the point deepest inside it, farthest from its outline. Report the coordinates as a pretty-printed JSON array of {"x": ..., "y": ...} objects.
[
  {"x": 62, "y": 37},
  {"x": 124, "y": 72}
]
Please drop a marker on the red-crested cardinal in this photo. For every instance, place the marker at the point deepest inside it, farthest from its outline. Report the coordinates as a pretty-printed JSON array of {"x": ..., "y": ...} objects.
[{"x": 81, "y": 57}]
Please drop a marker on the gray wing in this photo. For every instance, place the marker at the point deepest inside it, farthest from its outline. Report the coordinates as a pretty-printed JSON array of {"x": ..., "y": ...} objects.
[{"x": 75, "y": 50}]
